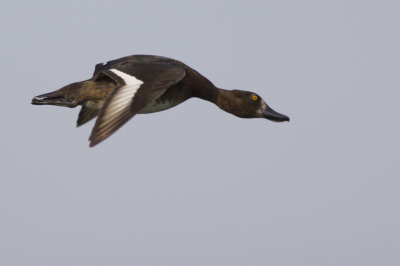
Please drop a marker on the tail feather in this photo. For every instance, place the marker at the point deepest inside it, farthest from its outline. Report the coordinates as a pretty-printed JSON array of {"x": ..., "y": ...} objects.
[
  {"x": 86, "y": 114},
  {"x": 57, "y": 97}
]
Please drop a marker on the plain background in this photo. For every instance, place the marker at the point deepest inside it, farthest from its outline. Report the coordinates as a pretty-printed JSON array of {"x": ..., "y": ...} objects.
[{"x": 195, "y": 185}]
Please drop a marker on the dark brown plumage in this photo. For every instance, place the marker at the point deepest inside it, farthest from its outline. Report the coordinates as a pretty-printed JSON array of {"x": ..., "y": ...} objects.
[{"x": 136, "y": 84}]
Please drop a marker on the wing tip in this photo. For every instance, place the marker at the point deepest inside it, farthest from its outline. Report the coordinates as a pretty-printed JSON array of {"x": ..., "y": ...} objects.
[
  {"x": 92, "y": 144},
  {"x": 94, "y": 141}
]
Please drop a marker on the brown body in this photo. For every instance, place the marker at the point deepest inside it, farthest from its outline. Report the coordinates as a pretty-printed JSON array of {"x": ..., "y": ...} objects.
[{"x": 153, "y": 84}]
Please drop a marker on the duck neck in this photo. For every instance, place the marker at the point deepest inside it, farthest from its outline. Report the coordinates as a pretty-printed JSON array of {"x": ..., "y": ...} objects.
[
  {"x": 207, "y": 91},
  {"x": 225, "y": 100},
  {"x": 220, "y": 97}
]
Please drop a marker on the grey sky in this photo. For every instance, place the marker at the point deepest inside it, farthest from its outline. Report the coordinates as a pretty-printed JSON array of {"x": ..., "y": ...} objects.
[{"x": 195, "y": 185}]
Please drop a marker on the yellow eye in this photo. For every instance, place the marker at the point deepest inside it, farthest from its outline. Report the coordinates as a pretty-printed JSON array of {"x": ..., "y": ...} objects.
[{"x": 255, "y": 97}]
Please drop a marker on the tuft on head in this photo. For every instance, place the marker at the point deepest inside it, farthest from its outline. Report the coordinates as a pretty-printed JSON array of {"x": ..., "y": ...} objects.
[{"x": 246, "y": 104}]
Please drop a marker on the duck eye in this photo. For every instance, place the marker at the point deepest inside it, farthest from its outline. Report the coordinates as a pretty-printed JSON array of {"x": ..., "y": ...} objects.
[{"x": 255, "y": 97}]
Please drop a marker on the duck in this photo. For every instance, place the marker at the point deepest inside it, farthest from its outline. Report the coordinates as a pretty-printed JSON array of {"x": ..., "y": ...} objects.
[{"x": 140, "y": 84}]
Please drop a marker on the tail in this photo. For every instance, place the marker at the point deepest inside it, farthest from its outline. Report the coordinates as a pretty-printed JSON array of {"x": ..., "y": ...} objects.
[
  {"x": 86, "y": 114},
  {"x": 57, "y": 97}
]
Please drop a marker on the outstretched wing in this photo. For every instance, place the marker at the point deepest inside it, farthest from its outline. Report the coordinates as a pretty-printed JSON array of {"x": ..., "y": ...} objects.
[{"x": 133, "y": 93}]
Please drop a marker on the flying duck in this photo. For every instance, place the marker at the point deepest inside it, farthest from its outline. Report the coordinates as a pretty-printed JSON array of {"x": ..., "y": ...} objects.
[{"x": 140, "y": 84}]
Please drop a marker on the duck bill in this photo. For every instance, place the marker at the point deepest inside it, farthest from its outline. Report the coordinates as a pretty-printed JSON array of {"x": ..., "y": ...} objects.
[
  {"x": 53, "y": 98},
  {"x": 272, "y": 115}
]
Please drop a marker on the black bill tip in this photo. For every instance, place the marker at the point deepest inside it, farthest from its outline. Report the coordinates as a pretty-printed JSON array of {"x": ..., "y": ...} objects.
[{"x": 272, "y": 115}]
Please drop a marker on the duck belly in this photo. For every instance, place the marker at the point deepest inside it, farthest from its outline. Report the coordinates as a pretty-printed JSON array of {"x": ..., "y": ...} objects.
[{"x": 160, "y": 104}]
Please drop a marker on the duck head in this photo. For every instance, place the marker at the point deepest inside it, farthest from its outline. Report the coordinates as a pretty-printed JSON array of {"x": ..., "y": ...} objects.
[{"x": 246, "y": 104}]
